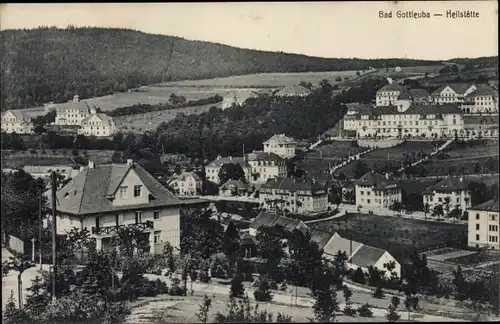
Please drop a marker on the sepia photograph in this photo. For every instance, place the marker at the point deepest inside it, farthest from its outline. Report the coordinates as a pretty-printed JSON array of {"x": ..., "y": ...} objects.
[{"x": 250, "y": 162}]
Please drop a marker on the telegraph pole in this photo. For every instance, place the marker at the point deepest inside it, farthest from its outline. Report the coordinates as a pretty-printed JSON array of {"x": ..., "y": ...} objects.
[
  {"x": 40, "y": 228},
  {"x": 54, "y": 228}
]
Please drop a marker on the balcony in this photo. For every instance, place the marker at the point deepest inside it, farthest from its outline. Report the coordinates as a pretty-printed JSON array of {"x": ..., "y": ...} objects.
[{"x": 112, "y": 230}]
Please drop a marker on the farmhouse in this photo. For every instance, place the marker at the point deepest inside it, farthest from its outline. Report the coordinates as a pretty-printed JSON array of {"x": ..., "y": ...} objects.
[
  {"x": 97, "y": 124},
  {"x": 484, "y": 224},
  {"x": 373, "y": 190},
  {"x": 451, "y": 188},
  {"x": 102, "y": 198},
  {"x": 281, "y": 145},
  {"x": 301, "y": 196},
  {"x": 14, "y": 121},
  {"x": 359, "y": 255},
  {"x": 186, "y": 184},
  {"x": 270, "y": 219},
  {"x": 405, "y": 120}
]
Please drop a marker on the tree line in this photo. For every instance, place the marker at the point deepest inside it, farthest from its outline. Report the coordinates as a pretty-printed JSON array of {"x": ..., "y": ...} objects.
[{"x": 50, "y": 64}]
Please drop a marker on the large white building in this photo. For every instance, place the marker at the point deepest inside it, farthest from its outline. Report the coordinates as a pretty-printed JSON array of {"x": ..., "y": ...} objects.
[
  {"x": 102, "y": 198},
  {"x": 281, "y": 145},
  {"x": 484, "y": 224},
  {"x": 264, "y": 166},
  {"x": 299, "y": 196},
  {"x": 405, "y": 120},
  {"x": 72, "y": 112},
  {"x": 14, "y": 121},
  {"x": 97, "y": 124},
  {"x": 471, "y": 98},
  {"x": 212, "y": 169},
  {"x": 455, "y": 189},
  {"x": 374, "y": 190}
]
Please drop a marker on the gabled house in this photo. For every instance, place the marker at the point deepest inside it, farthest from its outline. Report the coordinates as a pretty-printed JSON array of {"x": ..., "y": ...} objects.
[
  {"x": 281, "y": 145},
  {"x": 233, "y": 188},
  {"x": 72, "y": 112},
  {"x": 212, "y": 169},
  {"x": 293, "y": 91},
  {"x": 452, "y": 93},
  {"x": 389, "y": 94},
  {"x": 373, "y": 190},
  {"x": 102, "y": 198},
  {"x": 456, "y": 189},
  {"x": 97, "y": 124},
  {"x": 270, "y": 219},
  {"x": 186, "y": 184},
  {"x": 14, "y": 121},
  {"x": 264, "y": 166},
  {"x": 359, "y": 255}
]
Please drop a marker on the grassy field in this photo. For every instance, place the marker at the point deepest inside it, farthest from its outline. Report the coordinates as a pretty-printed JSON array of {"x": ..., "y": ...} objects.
[
  {"x": 472, "y": 149},
  {"x": 151, "y": 120},
  {"x": 21, "y": 158},
  {"x": 266, "y": 80},
  {"x": 396, "y": 235},
  {"x": 389, "y": 157}
]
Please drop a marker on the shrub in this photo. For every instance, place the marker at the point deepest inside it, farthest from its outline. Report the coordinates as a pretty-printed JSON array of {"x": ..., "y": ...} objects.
[
  {"x": 237, "y": 289},
  {"x": 204, "y": 277},
  {"x": 161, "y": 287},
  {"x": 262, "y": 292},
  {"x": 378, "y": 293},
  {"x": 391, "y": 315},
  {"x": 175, "y": 289},
  {"x": 148, "y": 289},
  {"x": 273, "y": 284},
  {"x": 365, "y": 311},
  {"x": 358, "y": 276},
  {"x": 283, "y": 286}
]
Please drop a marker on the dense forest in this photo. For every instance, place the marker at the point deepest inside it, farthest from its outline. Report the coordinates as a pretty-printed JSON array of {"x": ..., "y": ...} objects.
[{"x": 50, "y": 64}]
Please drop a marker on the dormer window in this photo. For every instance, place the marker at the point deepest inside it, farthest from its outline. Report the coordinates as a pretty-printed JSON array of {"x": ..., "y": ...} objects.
[{"x": 137, "y": 190}]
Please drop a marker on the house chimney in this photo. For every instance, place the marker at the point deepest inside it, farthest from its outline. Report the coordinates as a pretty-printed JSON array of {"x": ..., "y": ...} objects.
[
  {"x": 389, "y": 80},
  {"x": 91, "y": 164},
  {"x": 130, "y": 161},
  {"x": 76, "y": 98},
  {"x": 218, "y": 157},
  {"x": 461, "y": 179},
  {"x": 387, "y": 176}
]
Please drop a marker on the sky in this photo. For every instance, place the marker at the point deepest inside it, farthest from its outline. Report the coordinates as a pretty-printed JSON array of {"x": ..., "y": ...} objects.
[{"x": 325, "y": 29}]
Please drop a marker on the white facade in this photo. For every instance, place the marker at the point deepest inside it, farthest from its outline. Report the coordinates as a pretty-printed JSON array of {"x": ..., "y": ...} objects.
[
  {"x": 460, "y": 199},
  {"x": 71, "y": 113},
  {"x": 484, "y": 228},
  {"x": 281, "y": 145},
  {"x": 213, "y": 168},
  {"x": 370, "y": 197},
  {"x": 16, "y": 122},
  {"x": 100, "y": 125},
  {"x": 389, "y": 94},
  {"x": 449, "y": 95},
  {"x": 187, "y": 184}
]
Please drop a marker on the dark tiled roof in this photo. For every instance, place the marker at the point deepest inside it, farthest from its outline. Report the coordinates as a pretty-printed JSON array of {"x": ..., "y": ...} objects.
[
  {"x": 491, "y": 205},
  {"x": 282, "y": 138},
  {"x": 237, "y": 183},
  {"x": 375, "y": 179},
  {"x": 433, "y": 109},
  {"x": 415, "y": 93},
  {"x": 292, "y": 184},
  {"x": 483, "y": 91},
  {"x": 459, "y": 88},
  {"x": 246, "y": 238},
  {"x": 264, "y": 219},
  {"x": 366, "y": 256},
  {"x": 288, "y": 223},
  {"x": 448, "y": 184},
  {"x": 264, "y": 156},
  {"x": 293, "y": 90},
  {"x": 88, "y": 191},
  {"x": 392, "y": 87},
  {"x": 320, "y": 237},
  {"x": 218, "y": 162},
  {"x": 338, "y": 243}
]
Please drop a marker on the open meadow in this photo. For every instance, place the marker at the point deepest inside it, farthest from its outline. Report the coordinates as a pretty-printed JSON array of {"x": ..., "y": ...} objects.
[
  {"x": 394, "y": 234},
  {"x": 150, "y": 121},
  {"x": 19, "y": 159},
  {"x": 266, "y": 80},
  {"x": 391, "y": 157}
]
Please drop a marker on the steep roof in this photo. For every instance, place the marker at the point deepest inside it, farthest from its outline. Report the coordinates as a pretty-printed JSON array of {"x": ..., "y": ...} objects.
[
  {"x": 459, "y": 88},
  {"x": 18, "y": 114},
  {"x": 293, "y": 184},
  {"x": 89, "y": 191},
  {"x": 490, "y": 205},
  {"x": 392, "y": 87},
  {"x": 80, "y": 105},
  {"x": 288, "y": 223},
  {"x": 433, "y": 109},
  {"x": 281, "y": 138},
  {"x": 377, "y": 180},
  {"x": 366, "y": 256},
  {"x": 264, "y": 219},
  {"x": 448, "y": 184},
  {"x": 237, "y": 183},
  {"x": 414, "y": 93},
  {"x": 264, "y": 156},
  {"x": 338, "y": 243},
  {"x": 483, "y": 91},
  {"x": 293, "y": 90},
  {"x": 320, "y": 237},
  {"x": 246, "y": 238},
  {"x": 103, "y": 117},
  {"x": 184, "y": 175},
  {"x": 219, "y": 161}
]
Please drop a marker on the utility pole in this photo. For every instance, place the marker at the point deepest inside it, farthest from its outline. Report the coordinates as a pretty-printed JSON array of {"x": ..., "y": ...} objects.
[
  {"x": 40, "y": 229},
  {"x": 54, "y": 228}
]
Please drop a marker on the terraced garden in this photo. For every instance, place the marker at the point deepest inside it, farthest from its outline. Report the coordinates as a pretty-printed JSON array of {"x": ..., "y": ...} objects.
[{"x": 396, "y": 235}]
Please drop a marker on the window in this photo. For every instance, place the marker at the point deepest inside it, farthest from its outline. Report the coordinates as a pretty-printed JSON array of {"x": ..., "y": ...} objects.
[
  {"x": 137, "y": 191},
  {"x": 123, "y": 192},
  {"x": 157, "y": 236},
  {"x": 493, "y": 228},
  {"x": 493, "y": 217},
  {"x": 477, "y": 237},
  {"x": 477, "y": 227},
  {"x": 458, "y": 200},
  {"x": 477, "y": 216},
  {"x": 440, "y": 199},
  {"x": 156, "y": 214},
  {"x": 138, "y": 217},
  {"x": 368, "y": 201},
  {"x": 493, "y": 239},
  {"x": 362, "y": 193}
]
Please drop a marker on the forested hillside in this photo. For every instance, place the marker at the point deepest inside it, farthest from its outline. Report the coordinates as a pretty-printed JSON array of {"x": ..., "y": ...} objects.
[{"x": 50, "y": 64}]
